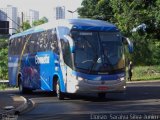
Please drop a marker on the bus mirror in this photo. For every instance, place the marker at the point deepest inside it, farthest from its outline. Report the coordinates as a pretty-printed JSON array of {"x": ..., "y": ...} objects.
[
  {"x": 71, "y": 43},
  {"x": 128, "y": 42}
]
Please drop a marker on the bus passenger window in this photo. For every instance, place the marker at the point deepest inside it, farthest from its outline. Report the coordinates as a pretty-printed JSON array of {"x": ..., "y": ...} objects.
[{"x": 54, "y": 43}]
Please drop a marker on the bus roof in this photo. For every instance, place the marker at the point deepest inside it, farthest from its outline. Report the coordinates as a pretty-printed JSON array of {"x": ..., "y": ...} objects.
[{"x": 77, "y": 24}]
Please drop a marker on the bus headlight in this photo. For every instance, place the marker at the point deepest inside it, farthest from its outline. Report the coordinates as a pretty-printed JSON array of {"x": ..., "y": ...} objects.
[
  {"x": 122, "y": 78},
  {"x": 79, "y": 78}
]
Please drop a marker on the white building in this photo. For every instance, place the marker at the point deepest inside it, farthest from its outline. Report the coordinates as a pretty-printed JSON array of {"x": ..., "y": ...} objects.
[
  {"x": 10, "y": 14},
  {"x": 34, "y": 15},
  {"x": 31, "y": 16},
  {"x": 59, "y": 12}
]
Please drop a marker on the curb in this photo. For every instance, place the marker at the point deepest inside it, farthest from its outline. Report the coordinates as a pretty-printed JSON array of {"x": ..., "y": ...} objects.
[
  {"x": 31, "y": 105},
  {"x": 19, "y": 109},
  {"x": 150, "y": 81},
  {"x": 23, "y": 106}
]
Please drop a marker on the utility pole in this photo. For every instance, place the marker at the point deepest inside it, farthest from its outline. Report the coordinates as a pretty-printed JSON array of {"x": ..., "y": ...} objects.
[{"x": 22, "y": 19}]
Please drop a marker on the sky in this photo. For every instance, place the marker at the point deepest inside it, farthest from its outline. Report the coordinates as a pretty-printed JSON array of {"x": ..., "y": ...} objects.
[{"x": 45, "y": 7}]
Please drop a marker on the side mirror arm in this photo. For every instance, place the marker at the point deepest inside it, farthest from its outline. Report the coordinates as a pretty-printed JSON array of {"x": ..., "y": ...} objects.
[
  {"x": 130, "y": 44},
  {"x": 71, "y": 43}
]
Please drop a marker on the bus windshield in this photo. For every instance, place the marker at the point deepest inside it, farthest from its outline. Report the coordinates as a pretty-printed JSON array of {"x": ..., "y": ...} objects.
[{"x": 98, "y": 52}]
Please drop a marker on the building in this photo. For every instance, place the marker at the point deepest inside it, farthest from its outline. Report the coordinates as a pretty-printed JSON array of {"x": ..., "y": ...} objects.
[
  {"x": 10, "y": 14},
  {"x": 3, "y": 16},
  {"x": 59, "y": 12},
  {"x": 4, "y": 25},
  {"x": 31, "y": 16},
  {"x": 34, "y": 15}
]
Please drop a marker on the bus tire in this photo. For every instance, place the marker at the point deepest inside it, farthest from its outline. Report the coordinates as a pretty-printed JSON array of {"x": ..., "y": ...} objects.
[
  {"x": 22, "y": 89},
  {"x": 60, "y": 95},
  {"x": 102, "y": 95}
]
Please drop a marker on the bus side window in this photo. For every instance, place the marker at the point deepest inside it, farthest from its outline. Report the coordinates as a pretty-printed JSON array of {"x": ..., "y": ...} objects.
[
  {"x": 37, "y": 45},
  {"x": 14, "y": 47},
  {"x": 54, "y": 43},
  {"x": 27, "y": 44},
  {"x": 42, "y": 38},
  {"x": 32, "y": 44},
  {"x": 18, "y": 43},
  {"x": 11, "y": 47}
]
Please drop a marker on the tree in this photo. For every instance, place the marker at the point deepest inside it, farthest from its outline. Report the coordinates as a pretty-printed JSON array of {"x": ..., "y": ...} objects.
[
  {"x": 3, "y": 58},
  {"x": 96, "y": 9},
  {"x": 26, "y": 25},
  {"x": 41, "y": 21},
  {"x": 130, "y": 16}
]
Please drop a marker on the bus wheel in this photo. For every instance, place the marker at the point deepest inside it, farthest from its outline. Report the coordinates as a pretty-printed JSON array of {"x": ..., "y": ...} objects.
[
  {"x": 22, "y": 89},
  {"x": 60, "y": 95},
  {"x": 102, "y": 95}
]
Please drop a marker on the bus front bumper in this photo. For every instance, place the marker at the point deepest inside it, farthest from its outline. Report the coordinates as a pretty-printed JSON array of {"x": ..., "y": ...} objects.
[{"x": 90, "y": 86}]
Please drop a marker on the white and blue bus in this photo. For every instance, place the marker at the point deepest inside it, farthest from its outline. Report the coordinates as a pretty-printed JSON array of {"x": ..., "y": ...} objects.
[{"x": 69, "y": 56}]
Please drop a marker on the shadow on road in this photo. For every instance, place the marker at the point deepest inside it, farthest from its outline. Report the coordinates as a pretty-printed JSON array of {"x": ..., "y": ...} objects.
[
  {"x": 136, "y": 100},
  {"x": 132, "y": 93}
]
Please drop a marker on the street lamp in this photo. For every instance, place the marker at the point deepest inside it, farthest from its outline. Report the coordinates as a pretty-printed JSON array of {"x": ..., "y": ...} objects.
[{"x": 72, "y": 12}]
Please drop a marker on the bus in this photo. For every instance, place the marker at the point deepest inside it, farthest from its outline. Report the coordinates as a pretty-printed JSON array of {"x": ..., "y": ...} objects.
[{"x": 69, "y": 56}]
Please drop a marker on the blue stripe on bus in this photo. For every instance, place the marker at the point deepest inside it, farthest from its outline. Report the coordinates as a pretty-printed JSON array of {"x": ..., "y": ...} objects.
[{"x": 97, "y": 28}]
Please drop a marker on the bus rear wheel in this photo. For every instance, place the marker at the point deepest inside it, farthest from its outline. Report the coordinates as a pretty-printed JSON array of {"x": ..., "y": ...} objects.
[
  {"x": 60, "y": 95},
  {"x": 22, "y": 89}
]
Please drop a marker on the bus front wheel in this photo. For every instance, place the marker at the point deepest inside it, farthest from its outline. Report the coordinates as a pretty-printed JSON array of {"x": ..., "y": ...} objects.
[{"x": 60, "y": 95}]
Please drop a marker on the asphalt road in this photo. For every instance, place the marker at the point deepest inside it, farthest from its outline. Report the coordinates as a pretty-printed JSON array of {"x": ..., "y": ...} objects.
[{"x": 141, "y": 101}]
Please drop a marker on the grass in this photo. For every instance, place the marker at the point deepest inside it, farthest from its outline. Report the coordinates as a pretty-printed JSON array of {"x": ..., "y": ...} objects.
[
  {"x": 3, "y": 86},
  {"x": 142, "y": 73}
]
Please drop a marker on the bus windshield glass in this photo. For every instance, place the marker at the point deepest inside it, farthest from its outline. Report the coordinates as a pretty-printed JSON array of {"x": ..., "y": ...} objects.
[{"x": 98, "y": 52}]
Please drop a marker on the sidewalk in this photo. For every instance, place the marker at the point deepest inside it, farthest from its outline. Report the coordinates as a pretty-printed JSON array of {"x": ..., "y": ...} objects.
[{"x": 14, "y": 103}]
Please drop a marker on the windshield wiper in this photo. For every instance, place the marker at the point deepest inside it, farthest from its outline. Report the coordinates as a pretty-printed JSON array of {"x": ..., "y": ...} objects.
[{"x": 94, "y": 63}]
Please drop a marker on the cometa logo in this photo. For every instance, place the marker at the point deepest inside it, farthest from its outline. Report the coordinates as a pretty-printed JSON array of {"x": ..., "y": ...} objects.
[{"x": 42, "y": 59}]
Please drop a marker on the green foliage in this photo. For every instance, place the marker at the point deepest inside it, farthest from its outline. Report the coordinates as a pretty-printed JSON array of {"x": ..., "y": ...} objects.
[
  {"x": 3, "y": 86},
  {"x": 41, "y": 21},
  {"x": 128, "y": 14},
  {"x": 96, "y": 9},
  {"x": 3, "y": 58},
  {"x": 26, "y": 25}
]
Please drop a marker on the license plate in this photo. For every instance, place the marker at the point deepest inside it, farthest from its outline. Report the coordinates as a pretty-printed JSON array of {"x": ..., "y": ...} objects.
[{"x": 103, "y": 88}]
